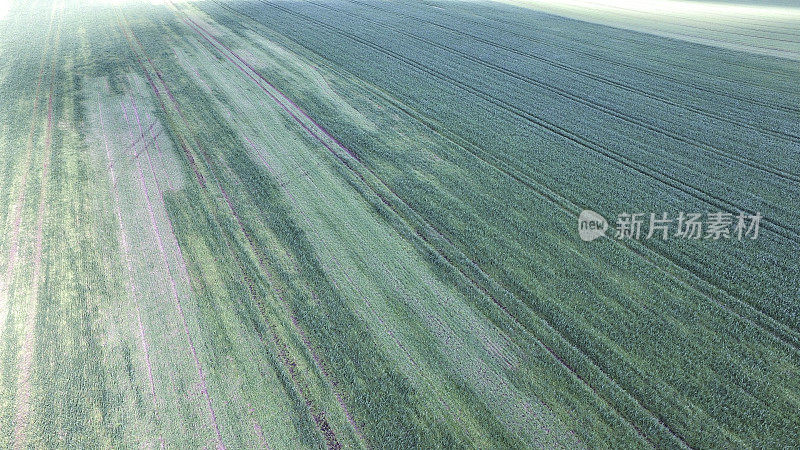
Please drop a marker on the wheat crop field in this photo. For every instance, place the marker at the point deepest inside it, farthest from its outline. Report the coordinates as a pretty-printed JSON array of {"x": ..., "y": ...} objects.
[{"x": 337, "y": 224}]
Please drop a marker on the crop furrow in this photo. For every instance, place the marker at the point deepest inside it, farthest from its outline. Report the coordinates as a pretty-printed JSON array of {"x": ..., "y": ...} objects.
[{"x": 184, "y": 146}]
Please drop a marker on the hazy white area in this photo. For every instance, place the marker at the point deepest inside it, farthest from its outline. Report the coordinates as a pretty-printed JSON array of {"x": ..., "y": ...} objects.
[
  {"x": 760, "y": 27},
  {"x": 5, "y": 6},
  {"x": 706, "y": 10}
]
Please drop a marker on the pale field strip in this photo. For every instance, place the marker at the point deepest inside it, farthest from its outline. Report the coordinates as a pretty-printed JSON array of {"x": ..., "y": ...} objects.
[
  {"x": 332, "y": 405},
  {"x": 158, "y": 320},
  {"x": 116, "y": 330},
  {"x": 220, "y": 78},
  {"x": 709, "y": 23}
]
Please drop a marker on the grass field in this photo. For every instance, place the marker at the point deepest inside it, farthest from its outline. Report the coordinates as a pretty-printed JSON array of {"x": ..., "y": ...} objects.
[{"x": 352, "y": 223}]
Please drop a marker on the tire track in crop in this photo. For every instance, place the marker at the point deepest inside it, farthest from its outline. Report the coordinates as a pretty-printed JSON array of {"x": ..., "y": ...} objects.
[
  {"x": 333, "y": 443},
  {"x": 650, "y": 72},
  {"x": 172, "y": 285},
  {"x": 787, "y": 136},
  {"x": 289, "y": 364},
  {"x": 572, "y": 370},
  {"x": 609, "y": 110},
  {"x": 776, "y": 226},
  {"x": 184, "y": 146},
  {"x": 25, "y": 361},
  {"x": 129, "y": 269},
  {"x": 19, "y": 203}
]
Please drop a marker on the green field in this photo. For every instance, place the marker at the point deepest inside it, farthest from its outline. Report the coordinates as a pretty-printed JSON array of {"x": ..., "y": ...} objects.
[{"x": 353, "y": 223}]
